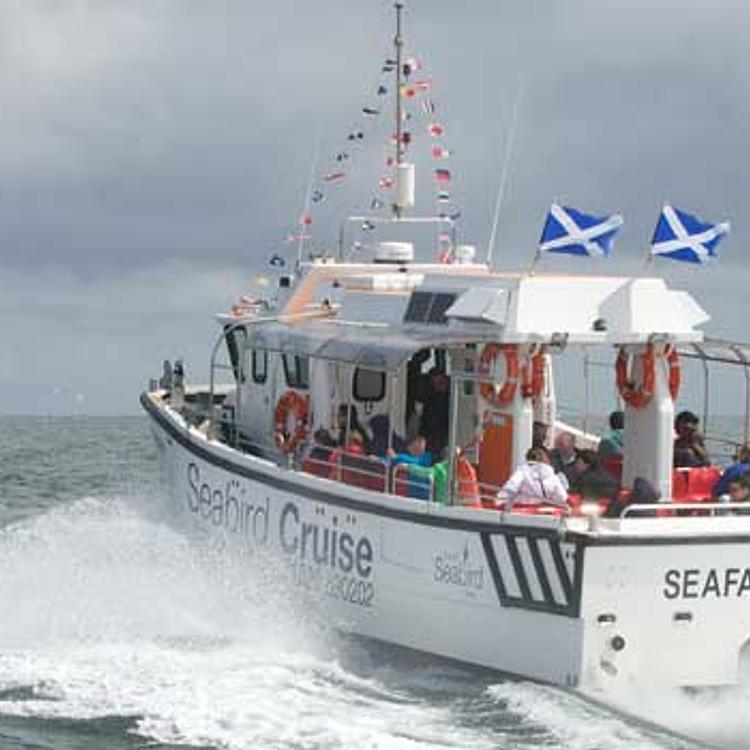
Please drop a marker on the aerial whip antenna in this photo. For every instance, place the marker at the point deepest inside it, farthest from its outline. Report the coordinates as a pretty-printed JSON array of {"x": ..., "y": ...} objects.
[{"x": 509, "y": 142}]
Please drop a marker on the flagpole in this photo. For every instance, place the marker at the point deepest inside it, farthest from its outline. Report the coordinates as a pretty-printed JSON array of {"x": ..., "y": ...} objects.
[
  {"x": 505, "y": 169},
  {"x": 398, "y": 43},
  {"x": 308, "y": 199}
]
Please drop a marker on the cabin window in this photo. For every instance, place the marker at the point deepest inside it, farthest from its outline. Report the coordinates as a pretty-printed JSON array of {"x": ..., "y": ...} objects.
[
  {"x": 236, "y": 338},
  {"x": 260, "y": 365},
  {"x": 369, "y": 385},
  {"x": 297, "y": 371}
]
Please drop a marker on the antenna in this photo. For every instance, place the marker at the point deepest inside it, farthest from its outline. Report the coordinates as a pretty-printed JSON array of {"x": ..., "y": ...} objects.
[
  {"x": 398, "y": 43},
  {"x": 509, "y": 141}
]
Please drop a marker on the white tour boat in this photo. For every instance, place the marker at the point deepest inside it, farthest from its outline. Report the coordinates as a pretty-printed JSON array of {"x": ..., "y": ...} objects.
[{"x": 299, "y": 459}]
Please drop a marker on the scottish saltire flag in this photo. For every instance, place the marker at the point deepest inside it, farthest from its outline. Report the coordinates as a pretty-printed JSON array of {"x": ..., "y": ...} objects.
[
  {"x": 567, "y": 230},
  {"x": 680, "y": 236}
]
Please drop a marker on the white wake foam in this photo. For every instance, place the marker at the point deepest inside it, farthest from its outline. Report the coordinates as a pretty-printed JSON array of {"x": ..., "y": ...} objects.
[{"x": 106, "y": 613}]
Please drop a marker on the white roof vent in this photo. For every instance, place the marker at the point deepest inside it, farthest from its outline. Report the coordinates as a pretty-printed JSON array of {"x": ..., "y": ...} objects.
[
  {"x": 394, "y": 252},
  {"x": 464, "y": 254}
]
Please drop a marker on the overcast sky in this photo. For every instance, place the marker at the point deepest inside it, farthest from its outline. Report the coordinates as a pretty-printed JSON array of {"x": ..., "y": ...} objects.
[{"x": 154, "y": 154}]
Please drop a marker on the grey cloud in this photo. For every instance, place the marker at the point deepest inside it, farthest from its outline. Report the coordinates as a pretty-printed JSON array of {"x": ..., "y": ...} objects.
[{"x": 171, "y": 140}]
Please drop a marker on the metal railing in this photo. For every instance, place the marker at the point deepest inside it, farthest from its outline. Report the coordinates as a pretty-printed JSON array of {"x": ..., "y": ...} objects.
[
  {"x": 698, "y": 508},
  {"x": 368, "y": 472}
]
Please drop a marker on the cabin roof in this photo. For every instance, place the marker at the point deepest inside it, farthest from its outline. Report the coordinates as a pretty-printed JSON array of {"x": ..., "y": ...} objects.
[{"x": 376, "y": 346}]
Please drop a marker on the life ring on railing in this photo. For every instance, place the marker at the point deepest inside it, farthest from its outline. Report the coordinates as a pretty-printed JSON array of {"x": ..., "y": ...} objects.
[
  {"x": 634, "y": 395},
  {"x": 675, "y": 373},
  {"x": 499, "y": 396},
  {"x": 533, "y": 376},
  {"x": 290, "y": 403}
]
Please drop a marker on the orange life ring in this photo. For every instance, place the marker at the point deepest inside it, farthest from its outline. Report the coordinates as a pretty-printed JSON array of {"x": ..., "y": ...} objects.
[
  {"x": 675, "y": 373},
  {"x": 634, "y": 395},
  {"x": 532, "y": 381},
  {"x": 291, "y": 403},
  {"x": 505, "y": 393}
]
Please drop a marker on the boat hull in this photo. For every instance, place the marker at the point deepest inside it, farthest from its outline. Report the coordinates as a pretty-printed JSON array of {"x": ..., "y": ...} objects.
[{"x": 518, "y": 595}]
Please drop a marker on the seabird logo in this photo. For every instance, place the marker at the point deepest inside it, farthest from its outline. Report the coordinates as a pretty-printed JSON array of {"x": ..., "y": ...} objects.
[{"x": 455, "y": 568}]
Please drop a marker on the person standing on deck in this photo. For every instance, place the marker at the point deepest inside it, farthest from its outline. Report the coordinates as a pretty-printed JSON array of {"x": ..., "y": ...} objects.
[{"x": 535, "y": 480}]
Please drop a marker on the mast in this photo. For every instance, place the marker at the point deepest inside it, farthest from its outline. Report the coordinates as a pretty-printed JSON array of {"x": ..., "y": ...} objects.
[{"x": 398, "y": 43}]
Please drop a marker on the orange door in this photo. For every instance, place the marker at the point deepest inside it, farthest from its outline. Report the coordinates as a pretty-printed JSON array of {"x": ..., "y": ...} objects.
[{"x": 496, "y": 449}]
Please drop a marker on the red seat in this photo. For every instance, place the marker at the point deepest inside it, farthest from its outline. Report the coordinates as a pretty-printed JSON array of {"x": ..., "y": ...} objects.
[
  {"x": 694, "y": 484},
  {"x": 701, "y": 481},
  {"x": 319, "y": 467},
  {"x": 363, "y": 471},
  {"x": 679, "y": 484}
]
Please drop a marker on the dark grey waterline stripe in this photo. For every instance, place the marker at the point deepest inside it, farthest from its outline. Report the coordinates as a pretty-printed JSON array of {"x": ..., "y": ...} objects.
[{"x": 421, "y": 518}]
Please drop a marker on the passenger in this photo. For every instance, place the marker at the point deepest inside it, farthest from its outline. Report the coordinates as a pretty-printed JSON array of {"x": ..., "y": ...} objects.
[
  {"x": 380, "y": 426},
  {"x": 592, "y": 480},
  {"x": 323, "y": 445},
  {"x": 356, "y": 443},
  {"x": 689, "y": 448},
  {"x": 540, "y": 435},
  {"x": 436, "y": 410},
  {"x": 739, "y": 490},
  {"x": 417, "y": 453},
  {"x": 739, "y": 468},
  {"x": 534, "y": 480},
  {"x": 422, "y": 480},
  {"x": 564, "y": 455},
  {"x": 347, "y": 417},
  {"x": 611, "y": 444},
  {"x": 643, "y": 493}
]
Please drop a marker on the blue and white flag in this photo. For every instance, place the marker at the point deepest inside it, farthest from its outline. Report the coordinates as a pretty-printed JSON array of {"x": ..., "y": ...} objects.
[
  {"x": 680, "y": 236},
  {"x": 567, "y": 230}
]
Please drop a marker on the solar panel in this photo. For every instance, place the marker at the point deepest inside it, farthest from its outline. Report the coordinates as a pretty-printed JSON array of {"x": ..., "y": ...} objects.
[{"x": 429, "y": 307}]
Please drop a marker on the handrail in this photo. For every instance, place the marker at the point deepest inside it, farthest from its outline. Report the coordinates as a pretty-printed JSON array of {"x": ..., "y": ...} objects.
[
  {"x": 409, "y": 482},
  {"x": 657, "y": 507}
]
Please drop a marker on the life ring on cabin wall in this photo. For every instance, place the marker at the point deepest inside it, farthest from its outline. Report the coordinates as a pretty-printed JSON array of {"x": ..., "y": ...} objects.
[
  {"x": 533, "y": 376},
  {"x": 292, "y": 404},
  {"x": 502, "y": 395},
  {"x": 636, "y": 395},
  {"x": 640, "y": 396}
]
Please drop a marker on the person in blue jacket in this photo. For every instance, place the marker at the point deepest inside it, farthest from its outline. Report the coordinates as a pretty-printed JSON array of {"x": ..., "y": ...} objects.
[
  {"x": 417, "y": 454},
  {"x": 739, "y": 468}
]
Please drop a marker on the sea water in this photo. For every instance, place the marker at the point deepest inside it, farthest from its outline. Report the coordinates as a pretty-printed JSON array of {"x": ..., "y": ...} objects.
[{"x": 116, "y": 631}]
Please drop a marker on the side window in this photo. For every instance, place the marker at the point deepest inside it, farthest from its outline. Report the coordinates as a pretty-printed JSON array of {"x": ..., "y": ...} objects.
[
  {"x": 259, "y": 365},
  {"x": 369, "y": 385},
  {"x": 235, "y": 344},
  {"x": 297, "y": 371}
]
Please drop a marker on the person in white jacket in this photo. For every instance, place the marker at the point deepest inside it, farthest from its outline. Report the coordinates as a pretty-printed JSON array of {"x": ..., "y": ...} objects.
[{"x": 534, "y": 480}]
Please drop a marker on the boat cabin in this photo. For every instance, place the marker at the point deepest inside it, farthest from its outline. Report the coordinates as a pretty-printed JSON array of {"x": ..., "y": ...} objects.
[{"x": 361, "y": 358}]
